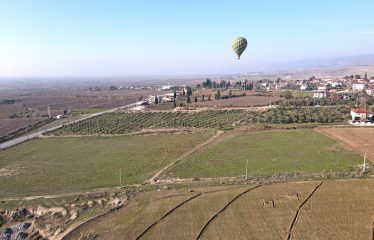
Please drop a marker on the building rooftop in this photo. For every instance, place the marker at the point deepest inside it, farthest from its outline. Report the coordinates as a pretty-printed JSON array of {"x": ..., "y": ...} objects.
[{"x": 360, "y": 110}]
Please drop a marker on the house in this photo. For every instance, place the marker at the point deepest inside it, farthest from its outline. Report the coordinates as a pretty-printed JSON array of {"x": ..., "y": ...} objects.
[
  {"x": 319, "y": 95},
  {"x": 304, "y": 87},
  {"x": 369, "y": 91},
  {"x": 359, "y": 87},
  {"x": 321, "y": 88},
  {"x": 360, "y": 114}
]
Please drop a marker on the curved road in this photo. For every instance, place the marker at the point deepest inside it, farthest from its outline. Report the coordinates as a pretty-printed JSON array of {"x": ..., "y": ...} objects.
[{"x": 29, "y": 136}]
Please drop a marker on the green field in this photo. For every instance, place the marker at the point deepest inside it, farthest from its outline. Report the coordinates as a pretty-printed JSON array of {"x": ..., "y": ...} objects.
[
  {"x": 268, "y": 153},
  {"x": 66, "y": 164}
]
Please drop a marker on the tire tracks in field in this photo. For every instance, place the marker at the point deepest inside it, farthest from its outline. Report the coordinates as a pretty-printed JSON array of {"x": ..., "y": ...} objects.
[
  {"x": 154, "y": 177},
  {"x": 180, "y": 205},
  {"x": 297, "y": 214},
  {"x": 167, "y": 214},
  {"x": 203, "y": 230}
]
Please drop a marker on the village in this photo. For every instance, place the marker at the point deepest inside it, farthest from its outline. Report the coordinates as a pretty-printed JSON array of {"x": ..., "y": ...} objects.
[{"x": 354, "y": 88}]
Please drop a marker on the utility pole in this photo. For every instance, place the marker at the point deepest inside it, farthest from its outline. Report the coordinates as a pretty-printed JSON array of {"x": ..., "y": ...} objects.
[
  {"x": 120, "y": 177},
  {"x": 246, "y": 171},
  {"x": 364, "y": 166}
]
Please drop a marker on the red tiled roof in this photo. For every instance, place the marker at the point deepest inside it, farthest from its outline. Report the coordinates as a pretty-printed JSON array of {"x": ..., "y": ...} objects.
[{"x": 359, "y": 110}]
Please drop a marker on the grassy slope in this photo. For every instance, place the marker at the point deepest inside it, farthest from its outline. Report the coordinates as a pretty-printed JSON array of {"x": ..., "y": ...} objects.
[
  {"x": 82, "y": 163},
  {"x": 268, "y": 153}
]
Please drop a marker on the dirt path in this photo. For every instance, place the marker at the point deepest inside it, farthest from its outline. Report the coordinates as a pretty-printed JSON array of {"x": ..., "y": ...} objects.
[
  {"x": 292, "y": 226},
  {"x": 100, "y": 190},
  {"x": 154, "y": 177},
  {"x": 203, "y": 230}
]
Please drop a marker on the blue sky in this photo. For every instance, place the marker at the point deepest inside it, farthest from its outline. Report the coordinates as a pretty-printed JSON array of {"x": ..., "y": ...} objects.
[{"x": 169, "y": 37}]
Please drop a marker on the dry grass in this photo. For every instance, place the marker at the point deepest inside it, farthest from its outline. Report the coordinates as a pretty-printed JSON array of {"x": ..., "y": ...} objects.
[
  {"x": 339, "y": 210},
  {"x": 360, "y": 140},
  {"x": 248, "y": 217},
  {"x": 191, "y": 218}
]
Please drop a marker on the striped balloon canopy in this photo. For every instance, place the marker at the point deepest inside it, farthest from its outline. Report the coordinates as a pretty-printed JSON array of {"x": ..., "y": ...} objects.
[{"x": 238, "y": 45}]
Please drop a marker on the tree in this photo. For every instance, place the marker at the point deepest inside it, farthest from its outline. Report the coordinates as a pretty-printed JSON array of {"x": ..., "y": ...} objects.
[
  {"x": 203, "y": 98},
  {"x": 156, "y": 99},
  {"x": 198, "y": 85},
  {"x": 288, "y": 95},
  {"x": 208, "y": 97},
  {"x": 175, "y": 104},
  {"x": 188, "y": 99},
  {"x": 195, "y": 99},
  {"x": 219, "y": 94},
  {"x": 366, "y": 76}
]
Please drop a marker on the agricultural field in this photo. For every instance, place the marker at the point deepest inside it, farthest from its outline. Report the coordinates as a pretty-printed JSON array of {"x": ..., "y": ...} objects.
[
  {"x": 299, "y": 115},
  {"x": 358, "y": 139},
  {"x": 245, "y": 101},
  {"x": 268, "y": 153},
  {"x": 338, "y": 209},
  {"x": 125, "y": 122},
  {"x": 55, "y": 165},
  {"x": 8, "y": 126},
  {"x": 23, "y": 108}
]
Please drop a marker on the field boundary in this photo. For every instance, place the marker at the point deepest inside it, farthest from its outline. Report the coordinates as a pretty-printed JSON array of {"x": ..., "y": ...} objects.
[
  {"x": 203, "y": 230},
  {"x": 67, "y": 234},
  {"x": 344, "y": 143},
  {"x": 166, "y": 214},
  {"x": 297, "y": 214},
  {"x": 154, "y": 177}
]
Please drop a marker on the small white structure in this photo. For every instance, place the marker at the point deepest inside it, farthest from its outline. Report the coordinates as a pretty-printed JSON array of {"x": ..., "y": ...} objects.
[
  {"x": 168, "y": 87},
  {"x": 319, "y": 95},
  {"x": 303, "y": 87},
  {"x": 60, "y": 116},
  {"x": 359, "y": 87}
]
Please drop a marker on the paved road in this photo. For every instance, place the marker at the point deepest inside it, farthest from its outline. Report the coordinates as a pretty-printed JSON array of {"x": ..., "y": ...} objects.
[{"x": 29, "y": 136}]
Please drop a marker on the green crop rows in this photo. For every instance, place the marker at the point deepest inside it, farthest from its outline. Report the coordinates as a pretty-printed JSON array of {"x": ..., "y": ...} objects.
[{"x": 125, "y": 122}]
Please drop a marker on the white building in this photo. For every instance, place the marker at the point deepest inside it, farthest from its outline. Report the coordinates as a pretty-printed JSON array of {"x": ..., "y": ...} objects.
[
  {"x": 303, "y": 87},
  {"x": 168, "y": 87},
  {"x": 358, "y": 87},
  {"x": 319, "y": 95}
]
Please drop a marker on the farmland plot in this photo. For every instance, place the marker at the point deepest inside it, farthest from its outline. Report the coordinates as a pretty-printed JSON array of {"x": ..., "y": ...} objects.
[
  {"x": 339, "y": 210},
  {"x": 192, "y": 217},
  {"x": 249, "y": 218},
  {"x": 360, "y": 140},
  {"x": 268, "y": 153},
  {"x": 137, "y": 216},
  {"x": 125, "y": 122},
  {"x": 55, "y": 165}
]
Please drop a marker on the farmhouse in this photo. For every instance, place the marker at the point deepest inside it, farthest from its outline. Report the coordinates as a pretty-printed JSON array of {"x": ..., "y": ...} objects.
[{"x": 360, "y": 114}]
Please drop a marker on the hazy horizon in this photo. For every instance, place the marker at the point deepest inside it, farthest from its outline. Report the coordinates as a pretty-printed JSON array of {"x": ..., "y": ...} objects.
[{"x": 167, "y": 38}]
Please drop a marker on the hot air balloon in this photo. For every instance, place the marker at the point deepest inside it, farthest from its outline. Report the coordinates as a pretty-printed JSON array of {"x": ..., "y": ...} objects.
[{"x": 238, "y": 45}]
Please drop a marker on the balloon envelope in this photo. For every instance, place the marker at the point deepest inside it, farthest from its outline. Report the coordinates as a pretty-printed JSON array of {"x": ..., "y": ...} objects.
[{"x": 238, "y": 45}]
